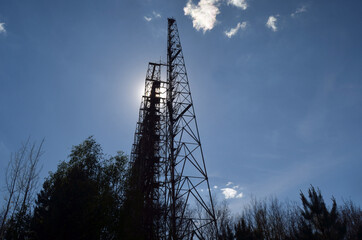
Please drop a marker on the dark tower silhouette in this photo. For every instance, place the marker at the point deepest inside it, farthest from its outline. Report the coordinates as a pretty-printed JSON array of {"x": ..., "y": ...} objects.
[
  {"x": 142, "y": 194},
  {"x": 168, "y": 167}
]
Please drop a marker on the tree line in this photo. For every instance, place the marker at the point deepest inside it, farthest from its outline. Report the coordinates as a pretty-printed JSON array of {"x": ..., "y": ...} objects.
[
  {"x": 271, "y": 219},
  {"x": 88, "y": 197}
]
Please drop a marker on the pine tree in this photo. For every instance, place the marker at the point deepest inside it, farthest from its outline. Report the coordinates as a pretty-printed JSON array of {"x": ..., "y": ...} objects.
[{"x": 317, "y": 222}]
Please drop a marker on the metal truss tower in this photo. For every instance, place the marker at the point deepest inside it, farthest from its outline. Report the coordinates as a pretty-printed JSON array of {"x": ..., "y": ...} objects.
[{"x": 167, "y": 156}]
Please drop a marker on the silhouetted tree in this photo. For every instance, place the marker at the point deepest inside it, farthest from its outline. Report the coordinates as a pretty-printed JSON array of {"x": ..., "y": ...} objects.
[
  {"x": 81, "y": 200},
  {"x": 93, "y": 196},
  {"x": 18, "y": 227},
  {"x": 243, "y": 230},
  {"x": 224, "y": 221},
  {"x": 317, "y": 222},
  {"x": 274, "y": 220},
  {"x": 277, "y": 220},
  {"x": 260, "y": 217},
  {"x": 352, "y": 216},
  {"x": 21, "y": 179}
]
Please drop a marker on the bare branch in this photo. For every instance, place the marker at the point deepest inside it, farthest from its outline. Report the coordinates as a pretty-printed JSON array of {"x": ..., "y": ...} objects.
[{"x": 21, "y": 179}]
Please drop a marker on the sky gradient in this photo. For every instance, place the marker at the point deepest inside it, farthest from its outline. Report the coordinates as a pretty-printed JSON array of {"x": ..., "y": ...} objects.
[{"x": 276, "y": 84}]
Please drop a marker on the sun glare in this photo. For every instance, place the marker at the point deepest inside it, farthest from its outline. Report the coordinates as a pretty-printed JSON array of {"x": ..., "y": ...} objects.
[
  {"x": 141, "y": 91},
  {"x": 163, "y": 93}
]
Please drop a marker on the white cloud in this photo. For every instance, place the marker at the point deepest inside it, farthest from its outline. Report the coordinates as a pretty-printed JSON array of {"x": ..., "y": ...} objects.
[
  {"x": 271, "y": 23},
  {"x": 234, "y": 30},
  {"x": 156, "y": 15},
  {"x": 203, "y": 14},
  {"x": 235, "y": 187},
  {"x": 2, "y": 28},
  {"x": 238, "y": 3},
  {"x": 229, "y": 192},
  {"x": 229, "y": 183},
  {"x": 302, "y": 9},
  {"x": 240, "y": 195},
  {"x": 147, "y": 18},
  {"x": 215, "y": 187}
]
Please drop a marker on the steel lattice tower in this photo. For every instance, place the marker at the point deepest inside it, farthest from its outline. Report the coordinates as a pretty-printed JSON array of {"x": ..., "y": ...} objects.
[{"x": 167, "y": 156}]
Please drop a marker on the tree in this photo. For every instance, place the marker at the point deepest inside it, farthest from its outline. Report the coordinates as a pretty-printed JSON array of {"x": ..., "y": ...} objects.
[
  {"x": 224, "y": 221},
  {"x": 82, "y": 199},
  {"x": 317, "y": 222},
  {"x": 21, "y": 179},
  {"x": 243, "y": 230},
  {"x": 277, "y": 220},
  {"x": 352, "y": 216}
]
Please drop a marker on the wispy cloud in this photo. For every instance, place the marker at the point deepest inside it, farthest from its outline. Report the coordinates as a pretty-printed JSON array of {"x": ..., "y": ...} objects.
[
  {"x": 234, "y": 30},
  {"x": 231, "y": 193},
  {"x": 300, "y": 10},
  {"x": 203, "y": 14},
  {"x": 229, "y": 183},
  {"x": 2, "y": 28},
  {"x": 271, "y": 23},
  {"x": 148, "y": 19},
  {"x": 215, "y": 187},
  {"x": 238, "y": 3},
  {"x": 154, "y": 15}
]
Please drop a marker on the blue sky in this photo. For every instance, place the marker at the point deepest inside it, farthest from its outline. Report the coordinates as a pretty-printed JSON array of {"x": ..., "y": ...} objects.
[{"x": 276, "y": 85}]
